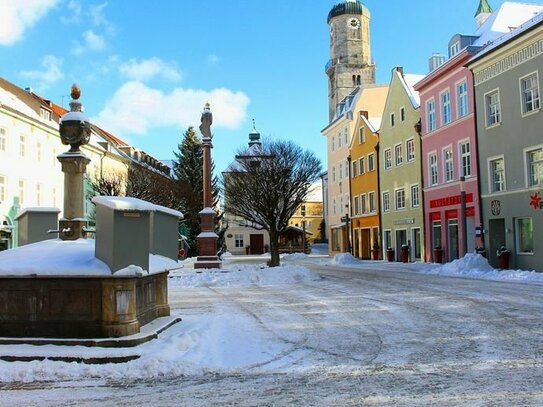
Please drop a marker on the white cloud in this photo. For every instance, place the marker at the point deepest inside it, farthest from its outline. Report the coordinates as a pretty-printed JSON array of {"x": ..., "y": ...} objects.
[
  {"x": 149, "y": 68},
  {"x": 16, "y": 16},
  {"x": 50, "y": 74},
  {"x": 136, "y": 108},
  {"x": 213, "y": 59},
  {"x": 91, "y": 42},
  {"x": 73, "y": 9}
]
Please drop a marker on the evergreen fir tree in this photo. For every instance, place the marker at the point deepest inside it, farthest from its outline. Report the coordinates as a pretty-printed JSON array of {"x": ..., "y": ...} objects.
[{"x": 188, "y": 171}]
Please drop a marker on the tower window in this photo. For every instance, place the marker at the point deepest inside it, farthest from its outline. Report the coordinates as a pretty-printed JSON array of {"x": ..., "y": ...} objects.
[{"x": 358, "y": 80}]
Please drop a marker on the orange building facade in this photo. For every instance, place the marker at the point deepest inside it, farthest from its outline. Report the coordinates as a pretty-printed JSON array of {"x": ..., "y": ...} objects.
[{"x": 364, "y": 179}]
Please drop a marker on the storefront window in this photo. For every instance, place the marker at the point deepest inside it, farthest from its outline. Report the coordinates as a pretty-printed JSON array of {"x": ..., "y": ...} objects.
[{"x": 525, "y": 235}]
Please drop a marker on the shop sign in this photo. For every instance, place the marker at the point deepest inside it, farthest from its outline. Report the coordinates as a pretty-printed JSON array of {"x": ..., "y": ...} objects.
[
  {"x": 405, "y": 221},
  {"x": 536, "y": 201},
  {"x": 449, "y": 201}
]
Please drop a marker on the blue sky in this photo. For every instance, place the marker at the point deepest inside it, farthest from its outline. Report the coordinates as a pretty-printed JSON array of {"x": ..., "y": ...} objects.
[{"x": 146, "y": 68}]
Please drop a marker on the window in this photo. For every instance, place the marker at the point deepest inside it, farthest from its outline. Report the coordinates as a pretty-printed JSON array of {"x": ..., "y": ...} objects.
[
  {"x": 529, "y": 90},
  {"x": 334, "y": 207},
  {"x": 363, "y": 204},
  {"x": 22, "y": 145},
  {"x": 46, "y": 114},
  {"x": 497, "y": 171},
  {"x": 535, "y": 167},
  {"x": 465, "y": 154},
  {"x": 448, "y": 162},
  {"x": 3, "y": 186},
  {"x": 402, "y": 114},
  {"x": 371, "y": 198},
  {"x": 398, "y": 154},
  {"x": 38, "y": 151},
  {"x": 525, "y": 235},
  {"x": 333, "y": 143},
  {"x": 333, "y": 174},
  {"x": 339, "y": 140},
  {"x": 388, "y": 158},
  {"x": 371, "y": 162},
  {"x": 386, "y": 202},
  {"x": 362, "y": 165},
  {"x": 347, "y": 168},
  {"x": 346, "y": 135},
  {"x": 455, "y": 49},
  {"x": 462, "y": 93},
  {"x": 391, "y": 119},
  {"x": 355, "y": 170},
  {"x": 239, "y": 240},
  {"x": 410, "y": 147},
  {"x": 362, "y": 135},
  {"x": 356, "y": 205},
  {"x": 432, "y": 159},
  {"x": 415, "y": 200},
  {"x": 492, "y": 107},
  {"x": 340, "y": 170},
  {"x": 38, "y": 194},
  {"x": 431, "y": 115},
  {"x": 21, "y": 191},
  {"x": 446, "y": 107},
  {"x": 400, "y": 199},
  {"x": 436, "y": 234},
  {"x": 3, "y": 139}
]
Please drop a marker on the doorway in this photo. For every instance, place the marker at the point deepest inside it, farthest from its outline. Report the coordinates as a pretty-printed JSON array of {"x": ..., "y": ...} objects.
[
  {"x": 401, "y": 239},
  {"x": 366, "y": 244},
  {"x": 416, "y": 245},
  {"x": 496, "y": 239},
  {"x": 257, "y": 244},
  {"x": 452, "y": 225},
  {"x": 356, "y": 246}
]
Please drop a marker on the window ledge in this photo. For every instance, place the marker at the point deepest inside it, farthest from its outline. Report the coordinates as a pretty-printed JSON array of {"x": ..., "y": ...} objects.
[
  {"x": 492, "y": 126},
  {"x": 531, "y": 113}
]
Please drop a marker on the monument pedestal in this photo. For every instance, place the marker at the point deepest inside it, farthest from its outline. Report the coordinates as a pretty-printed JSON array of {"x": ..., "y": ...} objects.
[{"x": 207, "y": 242}]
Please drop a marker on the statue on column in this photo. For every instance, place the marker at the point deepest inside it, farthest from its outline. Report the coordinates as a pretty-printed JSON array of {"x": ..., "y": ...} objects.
[{"x": 207, "y": 121}]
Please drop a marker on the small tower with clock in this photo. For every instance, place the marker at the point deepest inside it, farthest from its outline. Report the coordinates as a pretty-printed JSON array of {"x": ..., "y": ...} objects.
[{"x": 350, "y": 63}]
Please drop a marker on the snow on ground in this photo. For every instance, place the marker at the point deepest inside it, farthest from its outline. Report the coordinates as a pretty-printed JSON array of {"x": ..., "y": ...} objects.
[
  {"x": 241, "y": 275},
  {"x": 471, "y": 266}
]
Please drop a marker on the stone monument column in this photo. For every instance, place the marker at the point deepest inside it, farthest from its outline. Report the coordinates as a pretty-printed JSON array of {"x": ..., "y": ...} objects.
[
  {"x": 75, "y": 130},
  {"x": 207, "y": 239}
]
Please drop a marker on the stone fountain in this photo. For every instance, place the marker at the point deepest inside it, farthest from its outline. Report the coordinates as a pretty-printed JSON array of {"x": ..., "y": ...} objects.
[{"x": 74, "y": 287}]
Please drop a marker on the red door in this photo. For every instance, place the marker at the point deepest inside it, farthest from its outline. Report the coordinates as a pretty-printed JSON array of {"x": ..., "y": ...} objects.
[{"x": 257, "y": 244}]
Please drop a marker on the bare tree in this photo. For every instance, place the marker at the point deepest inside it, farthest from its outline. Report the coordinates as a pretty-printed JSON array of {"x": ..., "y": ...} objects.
[
  {"x": 267, "y": 185},
  {"x": 110, "y": 184}
]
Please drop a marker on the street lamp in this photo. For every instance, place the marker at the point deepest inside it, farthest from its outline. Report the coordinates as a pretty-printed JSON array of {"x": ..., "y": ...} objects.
[
  {"x": 303, "y": 228},
  {"x": 463, "y": 214}
]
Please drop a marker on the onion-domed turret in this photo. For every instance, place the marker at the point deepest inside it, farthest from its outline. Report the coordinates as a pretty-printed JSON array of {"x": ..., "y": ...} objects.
[{"x": 348, "y": 7}]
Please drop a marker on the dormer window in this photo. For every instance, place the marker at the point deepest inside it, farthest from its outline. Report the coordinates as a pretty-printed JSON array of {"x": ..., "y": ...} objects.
[
  {"x": 455, "y": 49},
  {"x": 45, "y": 114}
]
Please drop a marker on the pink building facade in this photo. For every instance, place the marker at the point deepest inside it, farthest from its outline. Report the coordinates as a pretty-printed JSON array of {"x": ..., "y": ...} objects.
[{"x": 449, "y": 160}]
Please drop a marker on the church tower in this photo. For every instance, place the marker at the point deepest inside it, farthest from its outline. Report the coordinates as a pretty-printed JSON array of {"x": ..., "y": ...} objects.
[
  {"x": 483, "y": 12},
  {"x": 350, "y": 63}
]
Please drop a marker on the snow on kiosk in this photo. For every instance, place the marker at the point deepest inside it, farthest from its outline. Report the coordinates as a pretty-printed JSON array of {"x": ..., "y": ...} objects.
[{"x": 73, "y": 287}]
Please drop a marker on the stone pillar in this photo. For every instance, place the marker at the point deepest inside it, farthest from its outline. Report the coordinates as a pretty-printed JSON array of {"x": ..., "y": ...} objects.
[
  {"x": 207, "y": 239},
  {"x": 74, "y": 130}
]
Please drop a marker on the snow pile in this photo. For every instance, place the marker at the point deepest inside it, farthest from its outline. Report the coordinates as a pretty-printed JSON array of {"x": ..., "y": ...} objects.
[
  {"x": 476, "y": 266},
  {"x": 242, "y": 275},
  {"x": 344, "y": 259}
]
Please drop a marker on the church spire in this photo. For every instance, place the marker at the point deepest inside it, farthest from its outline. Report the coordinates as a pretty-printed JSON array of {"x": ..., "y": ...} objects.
[{"x": 483, "y": 12}]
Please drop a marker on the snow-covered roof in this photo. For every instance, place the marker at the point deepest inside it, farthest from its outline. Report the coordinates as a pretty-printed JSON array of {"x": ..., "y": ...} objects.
[
  {"x": 126, "y": 203},
  {"x": 509, "y": 16},
  {"x": 408, "y": 81},
  {"x": 537, "y": 19},
  {"x": 12, "y": 101}
]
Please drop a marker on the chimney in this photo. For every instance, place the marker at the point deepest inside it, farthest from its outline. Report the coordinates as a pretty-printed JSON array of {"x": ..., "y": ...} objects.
[
  {"x": 399, "y": 69},
  {"x": 364, "y": 113},
  {"x": 435, "y": 61}
]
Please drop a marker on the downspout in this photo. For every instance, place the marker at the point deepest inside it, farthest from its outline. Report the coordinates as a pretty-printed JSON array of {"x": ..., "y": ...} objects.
[
  {"x": 418, "y": 129},
  {"x": 379, "y": 214},
  {"x": 350, "y": 226}
]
